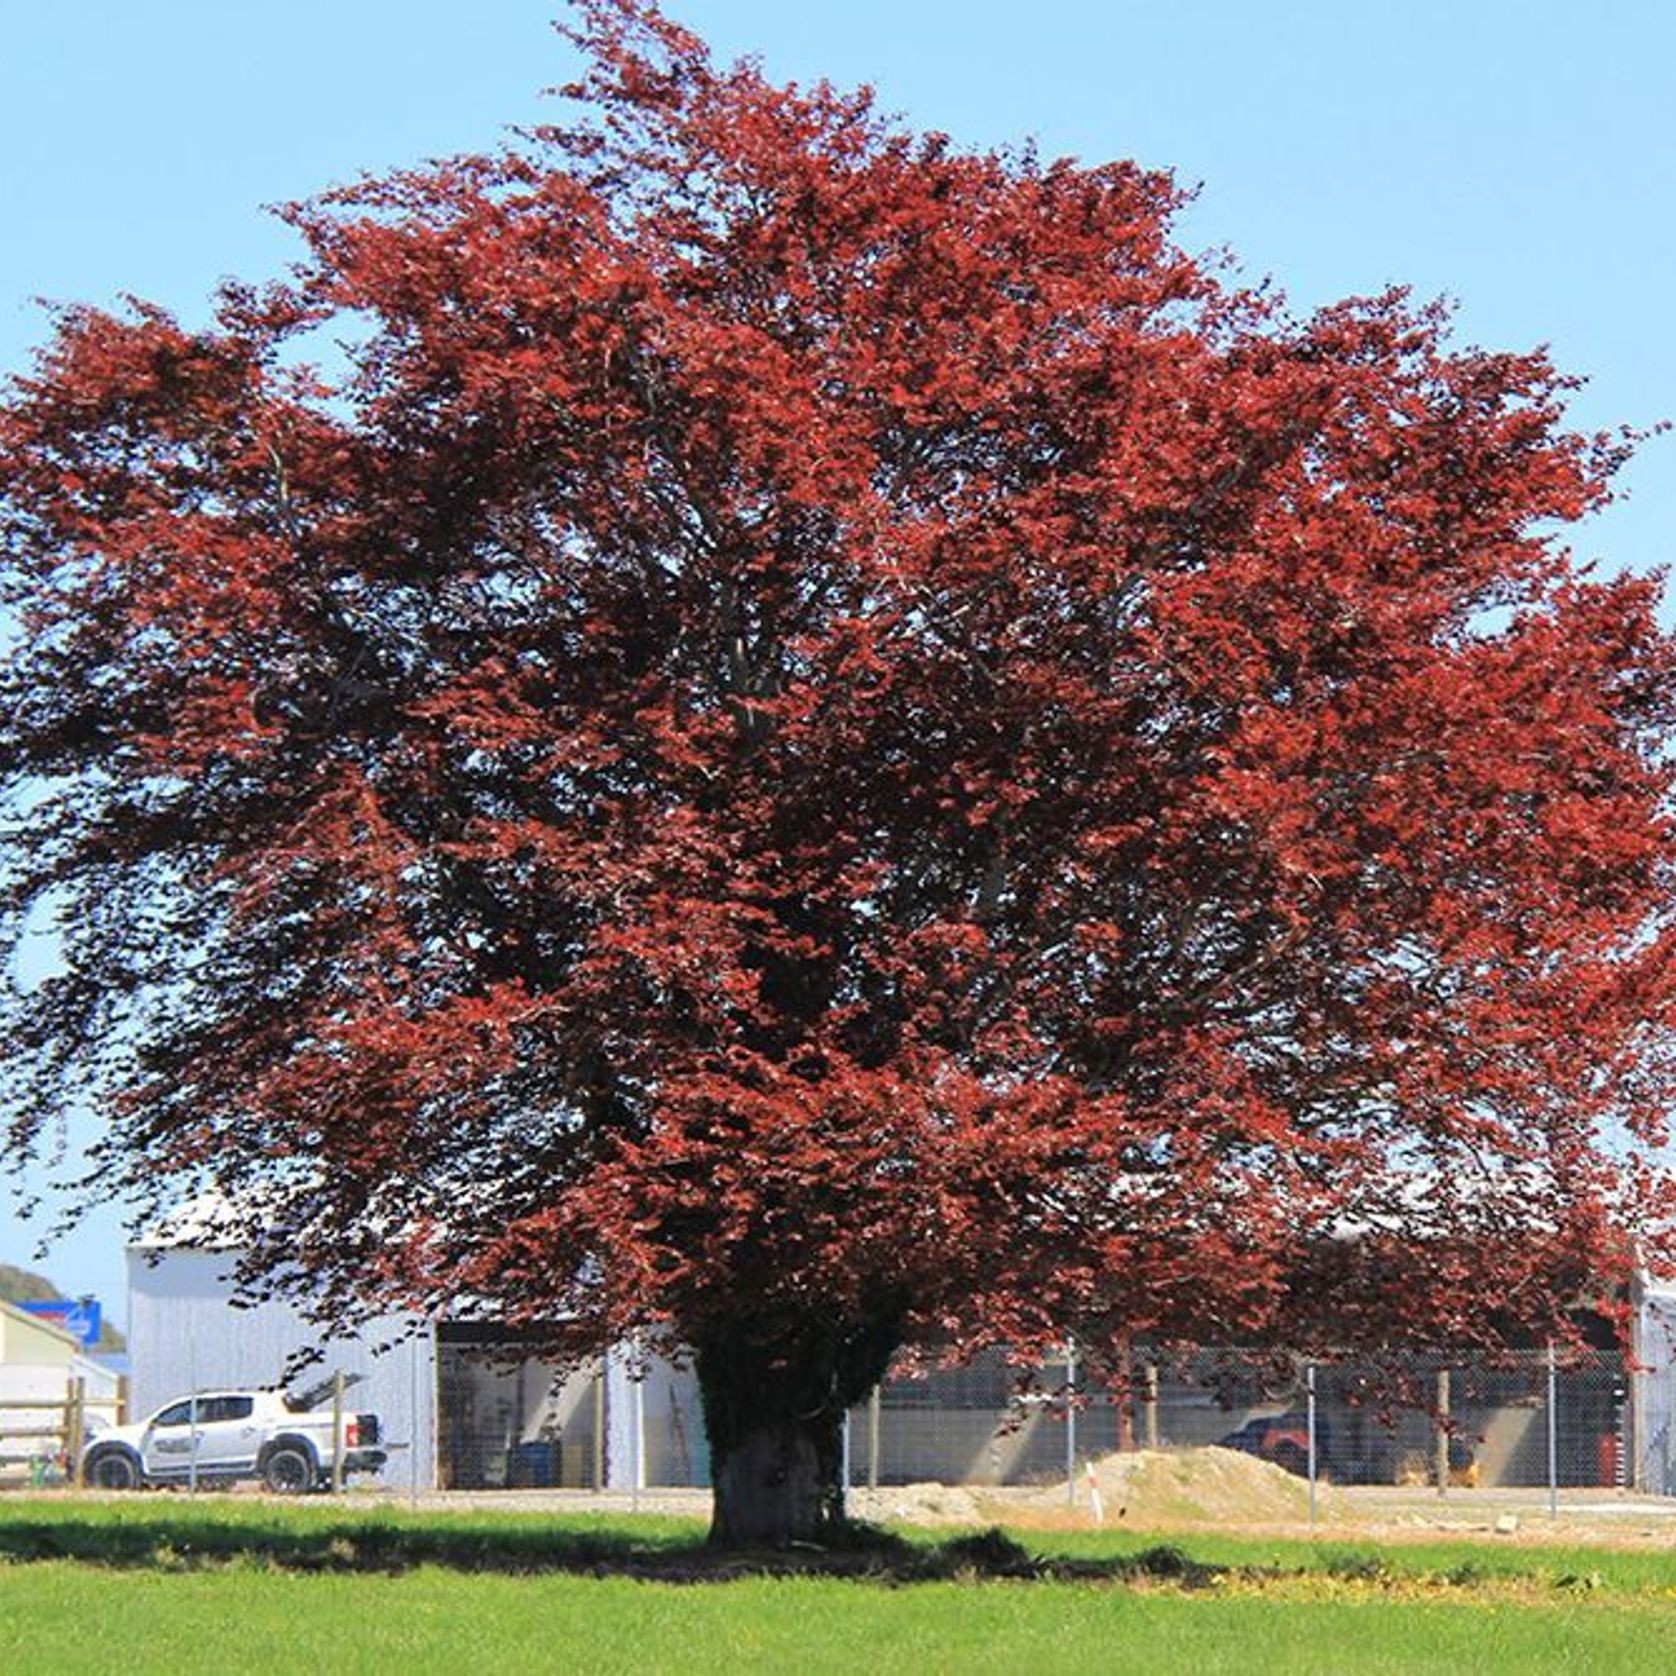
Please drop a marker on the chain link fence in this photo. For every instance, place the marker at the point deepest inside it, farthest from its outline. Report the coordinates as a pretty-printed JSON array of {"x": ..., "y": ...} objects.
[
  {"x": 511, "y": 1425},
  {"x": 1528, "y": 1420},
  {"x": 491, "y": 1416}
]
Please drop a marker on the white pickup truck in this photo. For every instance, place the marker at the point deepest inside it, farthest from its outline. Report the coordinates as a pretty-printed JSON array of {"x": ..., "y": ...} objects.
[{"x": 221, "y": 1436}]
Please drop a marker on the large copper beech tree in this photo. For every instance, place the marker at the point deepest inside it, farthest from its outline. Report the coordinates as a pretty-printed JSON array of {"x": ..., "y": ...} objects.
[{"x": 739, "y": 725}]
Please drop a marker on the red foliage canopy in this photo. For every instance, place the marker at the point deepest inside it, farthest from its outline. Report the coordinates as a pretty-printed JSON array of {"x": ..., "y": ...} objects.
[{"x": 826, "y": 741}]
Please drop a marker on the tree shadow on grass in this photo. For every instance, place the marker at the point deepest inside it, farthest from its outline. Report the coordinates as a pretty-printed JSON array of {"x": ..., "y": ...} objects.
[{"x": 182, "y": 1542}]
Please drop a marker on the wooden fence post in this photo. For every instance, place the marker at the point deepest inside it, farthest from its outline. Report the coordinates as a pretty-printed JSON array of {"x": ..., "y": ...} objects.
[{"x": 75, "y": 1429}]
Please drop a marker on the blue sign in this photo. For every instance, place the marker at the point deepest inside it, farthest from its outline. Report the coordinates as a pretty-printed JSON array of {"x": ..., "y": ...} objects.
[{"x": 79, "y": 1317}]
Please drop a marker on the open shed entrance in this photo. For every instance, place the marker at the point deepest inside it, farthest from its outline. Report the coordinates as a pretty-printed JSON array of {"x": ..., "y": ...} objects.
[{"x": 509, "y": 1420}]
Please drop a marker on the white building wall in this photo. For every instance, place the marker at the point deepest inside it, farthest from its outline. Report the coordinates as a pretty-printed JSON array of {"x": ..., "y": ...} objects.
[
  {"x": 26, "y": 1381},
  {"x": 46, "y": 1384},
  {"x": 654, "y": 1423},
  {"x": 185, "y": 1335},
  {"x": 1654, "y": 1389}
]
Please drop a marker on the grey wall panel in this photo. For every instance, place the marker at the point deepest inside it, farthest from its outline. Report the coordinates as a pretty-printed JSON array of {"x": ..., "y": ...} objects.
[{"x": 185, "y": 1335}]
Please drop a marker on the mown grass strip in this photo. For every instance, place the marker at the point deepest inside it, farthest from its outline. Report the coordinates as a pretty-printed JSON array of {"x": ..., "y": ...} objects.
[
  {"x": 176, "y": 1534},
  {"x": 68, "y": 1618}
]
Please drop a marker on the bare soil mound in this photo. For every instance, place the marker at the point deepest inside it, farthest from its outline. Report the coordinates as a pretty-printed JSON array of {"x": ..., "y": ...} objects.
[
  {"x": 1148, "y": 1487},
  {"x": 920, "y": 1504},
  {"x": 1186, "y": 1487}
]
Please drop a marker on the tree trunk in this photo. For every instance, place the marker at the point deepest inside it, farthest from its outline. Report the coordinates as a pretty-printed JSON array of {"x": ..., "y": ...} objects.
[
  {"x": 777, "y": 1484},
  {"x": 773, "y": 1411}
]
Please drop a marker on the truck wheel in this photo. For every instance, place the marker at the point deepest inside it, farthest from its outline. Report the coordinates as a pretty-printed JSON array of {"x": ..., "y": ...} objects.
[
  {"x": 113, "y": 1469},
  {"x": 289, "y": 1470}
]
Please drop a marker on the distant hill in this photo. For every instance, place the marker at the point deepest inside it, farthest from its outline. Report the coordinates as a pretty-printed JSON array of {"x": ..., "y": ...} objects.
[{"x": 24, "y": 1286}]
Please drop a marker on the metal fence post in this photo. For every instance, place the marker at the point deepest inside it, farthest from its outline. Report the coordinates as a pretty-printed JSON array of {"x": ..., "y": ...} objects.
[
  {"x": 1443, "y": 1431},
  {"x": 1070, "y": 1424},
  {"x": 597, "y": 1464},
  {"x": 844, "y": 1455},
  {"x": 1553, "y": 1436},
  {"x": 192, "y": 1411},
  {"x": 1637, "y": 1393},
  {"x": 637, "y": 1432},
  {"x": 1123, "y": 1401},
  {"x": 875, "y": 1414},
  {"x": 413, "y": 1431},
  {"x": 1309, "y": 1387},
  {"x": 337, "y": 1432}
]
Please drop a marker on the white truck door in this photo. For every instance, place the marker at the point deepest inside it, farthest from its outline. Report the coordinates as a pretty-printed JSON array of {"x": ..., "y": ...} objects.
[
  {"x": 228, "y": 1435},
  {"x": 166, "y": 1448}
]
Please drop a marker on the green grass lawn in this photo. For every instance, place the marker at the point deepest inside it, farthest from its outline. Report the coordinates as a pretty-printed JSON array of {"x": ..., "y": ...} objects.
[
  {"x": 60, "y": 1617},
  {"x": 166, "y": 1585}
]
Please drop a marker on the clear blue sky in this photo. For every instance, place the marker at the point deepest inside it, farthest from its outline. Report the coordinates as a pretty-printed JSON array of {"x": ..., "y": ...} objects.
[{"x": 1518, "y": 157}]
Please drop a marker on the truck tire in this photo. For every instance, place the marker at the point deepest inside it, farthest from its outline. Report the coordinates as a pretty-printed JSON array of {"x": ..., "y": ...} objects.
[
  {"x": 290, "y": 1469},
  {"x": 114, "y": 1469}
]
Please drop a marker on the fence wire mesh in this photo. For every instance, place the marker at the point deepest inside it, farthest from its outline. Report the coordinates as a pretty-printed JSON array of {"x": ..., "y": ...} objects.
[
  {"x": 510, "y": 1424},
  {"x": 1514, "y": 1421},
  {"x": 1581, "y": 1420}
]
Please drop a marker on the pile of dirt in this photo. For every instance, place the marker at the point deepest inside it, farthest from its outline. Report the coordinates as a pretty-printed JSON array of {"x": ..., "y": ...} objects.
[
  {"x": 1187, "y": 1486},
  {"x": 918, "y": 1504},
  {"x": 1141, "y": 1489}
]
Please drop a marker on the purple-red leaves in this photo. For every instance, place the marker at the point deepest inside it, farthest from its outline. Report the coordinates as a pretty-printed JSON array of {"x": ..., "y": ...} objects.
[{"x": 795, "y": 717}]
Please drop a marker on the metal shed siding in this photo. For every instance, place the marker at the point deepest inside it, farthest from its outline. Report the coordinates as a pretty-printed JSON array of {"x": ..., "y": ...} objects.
[
  {"x": 654, "y": 1433},
  {"x": 186, "y": 1335}
]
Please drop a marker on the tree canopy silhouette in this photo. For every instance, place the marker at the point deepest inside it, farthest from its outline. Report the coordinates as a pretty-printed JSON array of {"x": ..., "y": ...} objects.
[{"x": 739, "y": 723}]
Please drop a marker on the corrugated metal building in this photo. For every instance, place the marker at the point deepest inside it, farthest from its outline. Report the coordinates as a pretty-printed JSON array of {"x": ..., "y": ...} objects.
[{"x": 462, "y": 1405}]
